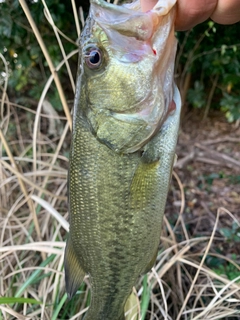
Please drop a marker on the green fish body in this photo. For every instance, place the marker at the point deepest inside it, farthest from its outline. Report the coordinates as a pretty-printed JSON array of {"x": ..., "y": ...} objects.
[{"x": 123, "y": 147}]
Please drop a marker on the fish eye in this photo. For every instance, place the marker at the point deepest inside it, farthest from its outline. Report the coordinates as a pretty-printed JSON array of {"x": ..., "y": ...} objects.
[{"x": 93, "y": 58}]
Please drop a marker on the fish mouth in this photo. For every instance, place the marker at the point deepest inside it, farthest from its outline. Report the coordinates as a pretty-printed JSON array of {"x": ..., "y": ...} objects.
[{"x": 140, "y": 25}]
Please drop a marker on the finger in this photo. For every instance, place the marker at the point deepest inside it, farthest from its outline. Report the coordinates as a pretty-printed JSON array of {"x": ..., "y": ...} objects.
[
  {"x": 191, "y": 13},
  {"x": 147, "y": 5},
  {"x": 227, "y": 12}
]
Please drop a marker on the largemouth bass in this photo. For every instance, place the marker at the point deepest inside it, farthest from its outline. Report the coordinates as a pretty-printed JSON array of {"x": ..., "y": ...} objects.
[{"x": 125, "y": 129}]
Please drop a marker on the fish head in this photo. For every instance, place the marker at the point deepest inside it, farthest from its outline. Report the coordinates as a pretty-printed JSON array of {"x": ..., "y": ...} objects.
[{"x": 127, "y": 62}]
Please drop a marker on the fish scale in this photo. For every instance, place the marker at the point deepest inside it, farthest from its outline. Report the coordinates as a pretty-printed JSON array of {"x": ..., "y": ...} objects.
[{"x": 120, "y": 161}]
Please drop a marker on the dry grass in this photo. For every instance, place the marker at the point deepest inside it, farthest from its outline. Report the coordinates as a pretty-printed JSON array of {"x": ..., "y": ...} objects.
[{"x": 33, "y": 225}]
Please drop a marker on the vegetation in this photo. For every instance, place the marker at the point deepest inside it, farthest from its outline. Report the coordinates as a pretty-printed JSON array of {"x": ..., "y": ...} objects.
[
  {"x": 193, "y": 277},
  {"x": 208, "y": 63}
]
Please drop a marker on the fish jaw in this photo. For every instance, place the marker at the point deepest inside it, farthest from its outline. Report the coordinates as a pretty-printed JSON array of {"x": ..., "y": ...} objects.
[{"x": 132, "y": 84}]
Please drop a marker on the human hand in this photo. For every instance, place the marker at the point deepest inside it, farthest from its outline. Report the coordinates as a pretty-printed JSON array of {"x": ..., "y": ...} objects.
[{"x": 190, "y": 13}]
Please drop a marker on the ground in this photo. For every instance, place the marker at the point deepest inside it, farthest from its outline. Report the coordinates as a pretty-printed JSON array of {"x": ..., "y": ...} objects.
[{"x": 208, "y": 167}]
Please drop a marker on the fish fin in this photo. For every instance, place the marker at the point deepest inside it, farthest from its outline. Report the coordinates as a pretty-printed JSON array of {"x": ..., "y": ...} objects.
[
  {"x": 143, "y": 184},
  {"x": 131, "y": 307},
  {"x": 175, "y": 159},
  {"x": 74, "y": 273},
  {"x": 151, "y": 263}
]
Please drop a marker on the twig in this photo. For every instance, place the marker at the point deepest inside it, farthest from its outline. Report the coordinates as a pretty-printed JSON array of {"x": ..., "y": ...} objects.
[
  {"x": 48, "y": 59},
  {"x": 55, "y": 29},
  {"x": 210, "y": 96},
  {"x": 5, "y": 83},
  {"x": 76, "y": 17},
  {"x": 220, "y": 140},
  {"x": 181, "y": 163},
  {"x": 204, "y": 159},
  {"x": 221, "y": 156}
]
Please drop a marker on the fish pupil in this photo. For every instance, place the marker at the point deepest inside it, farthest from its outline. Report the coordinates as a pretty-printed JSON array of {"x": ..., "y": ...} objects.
[{"x": 94, "y": 57}]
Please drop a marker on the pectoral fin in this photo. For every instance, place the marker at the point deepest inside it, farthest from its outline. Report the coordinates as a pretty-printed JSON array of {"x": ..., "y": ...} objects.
[
  {"x": 74, "y": 273},
  {"x": 131, "y": 307}
]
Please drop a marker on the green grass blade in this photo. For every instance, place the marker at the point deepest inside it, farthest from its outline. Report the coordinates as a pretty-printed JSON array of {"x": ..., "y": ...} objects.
[
  {"x": 145, "y": 298},
  {"x": 34, "y": 275},
  {"x": 56, "y": 312},
  {"x": 9, "y": 300}
]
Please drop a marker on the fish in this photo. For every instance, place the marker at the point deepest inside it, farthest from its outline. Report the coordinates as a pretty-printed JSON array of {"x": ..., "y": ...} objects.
[{"x": 125, "y": 129}]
